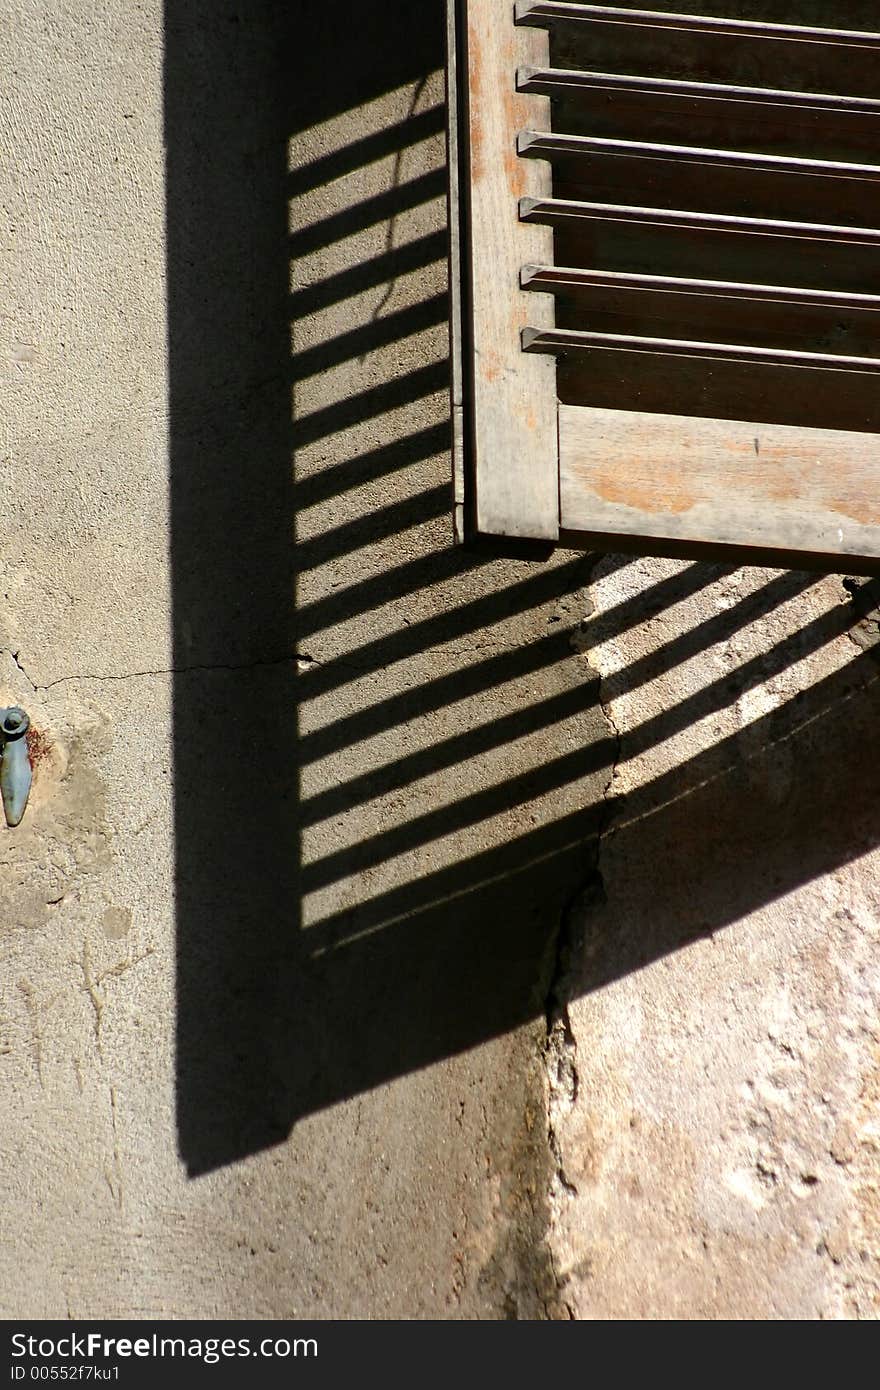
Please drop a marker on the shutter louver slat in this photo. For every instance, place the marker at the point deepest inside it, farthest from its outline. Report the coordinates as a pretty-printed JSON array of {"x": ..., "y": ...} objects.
[
  {"x": 557, "y": 145},
  {"x": 573, "y": 340},
  {"x": 558, "y": 211},
  {"x": 789, "y": 314},
  {"x": 544, "y": 11},
  {"x": 561, "y": 278},
  {"x": 555, "y": 82}
]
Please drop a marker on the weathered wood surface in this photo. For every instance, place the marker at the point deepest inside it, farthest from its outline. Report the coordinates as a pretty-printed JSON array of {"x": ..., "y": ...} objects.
[
  {"x": 512, "y": 397},
  {"x": 669, "y": 240},
  {"x": 456, "y": 337},
  {"x": 719, "y": 481}
]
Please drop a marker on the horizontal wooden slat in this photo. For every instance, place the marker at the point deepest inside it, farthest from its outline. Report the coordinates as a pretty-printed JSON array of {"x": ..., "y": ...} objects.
[
  {"x": 774, "y": 119},
  {"x": 542, "y": 12},
  {"x": 673, "y": 306},
  {"x": 667, "y": 477},
  {"x": 566, "y": 340},
  {"x": 571, "y": 83},
  {"x": 562, "y": 279},
  {"x": 555, "y": 145},
  {"x": 559, "y": 211}
]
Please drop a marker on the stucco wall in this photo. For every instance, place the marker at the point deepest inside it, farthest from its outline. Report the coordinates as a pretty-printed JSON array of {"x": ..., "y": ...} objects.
[
  {"x": 279, "y": 924},
  {"x": 313, "y": 848},
  {"x": 715, "y": 1101}
]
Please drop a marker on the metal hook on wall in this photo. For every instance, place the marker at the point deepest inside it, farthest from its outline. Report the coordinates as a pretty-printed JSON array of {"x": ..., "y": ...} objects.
[{"x": 15, "y": 763}]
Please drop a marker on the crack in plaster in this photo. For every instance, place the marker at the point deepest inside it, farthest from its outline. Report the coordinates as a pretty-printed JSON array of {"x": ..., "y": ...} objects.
[
  {"x": 15, "y": 656},
  {"x": 861, "y": 595},
  {"x": 91, "y": 984},
  {"x": 302, "y": 659},
  {"x": 560, "y": 1047},
  {"x": 304, "y": 662}
]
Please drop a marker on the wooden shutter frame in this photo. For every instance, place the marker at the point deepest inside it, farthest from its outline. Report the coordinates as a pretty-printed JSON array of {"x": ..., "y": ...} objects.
[
  {"x": 505, "y": 444},
  {"x": 521, "y": 458}
]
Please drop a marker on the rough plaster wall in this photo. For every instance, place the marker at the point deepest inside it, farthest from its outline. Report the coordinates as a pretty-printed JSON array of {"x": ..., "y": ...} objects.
[
  {"x": 408, "y": 1169},
  {"x": 711, "y": 1076},
  {"x": 715, "y": 1108}
]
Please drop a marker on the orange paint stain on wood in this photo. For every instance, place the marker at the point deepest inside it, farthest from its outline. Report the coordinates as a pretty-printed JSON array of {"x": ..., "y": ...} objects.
[
  {"x": 475, "y": 89},
  {"x": 858, "y": 508},
  {"x": 661, "y": 491},
  {"x": 490, "y": 365}
]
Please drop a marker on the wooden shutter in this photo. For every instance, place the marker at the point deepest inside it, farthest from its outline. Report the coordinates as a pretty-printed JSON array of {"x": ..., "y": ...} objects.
[{"x": 666, "y": 278}]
